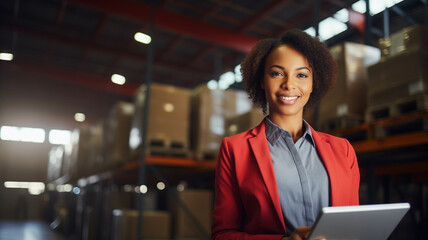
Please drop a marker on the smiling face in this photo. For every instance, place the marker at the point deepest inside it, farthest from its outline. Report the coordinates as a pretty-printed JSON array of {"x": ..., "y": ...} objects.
[{"x": 287, "y": 81}]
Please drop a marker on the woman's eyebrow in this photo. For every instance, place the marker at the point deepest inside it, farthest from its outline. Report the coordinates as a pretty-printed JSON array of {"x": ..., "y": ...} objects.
[
  {"x": 281, "y": 67},
  {"x": 300, "y": 68},
  {"x": 278, "y": 66}
]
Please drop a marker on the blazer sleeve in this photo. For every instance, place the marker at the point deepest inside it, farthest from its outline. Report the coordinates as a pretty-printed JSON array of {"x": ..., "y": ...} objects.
[
  {"x": 355, "y": 174},
  {"x": 228, "y": 213}
]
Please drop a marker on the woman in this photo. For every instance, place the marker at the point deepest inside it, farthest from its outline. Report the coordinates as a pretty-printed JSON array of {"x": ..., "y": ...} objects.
[{"x": 272, "y": 181}]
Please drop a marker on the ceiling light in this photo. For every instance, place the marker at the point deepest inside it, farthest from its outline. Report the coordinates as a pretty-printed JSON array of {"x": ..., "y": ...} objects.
[
  {"x": 118, "y": 79},
  {"x": 79, "y": 117},
  {"x": 142, "y": 38},
  {"x": 57, "y": 136},
  {"x": 6, "y": 56}
]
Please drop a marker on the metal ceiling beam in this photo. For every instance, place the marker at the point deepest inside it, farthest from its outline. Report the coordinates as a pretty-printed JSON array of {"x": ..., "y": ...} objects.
[
  {"x": 182, "y": 70},
  {"x": 268, "y": 10},
  {"x": 91, "y": 81},
  {"x": 173, "y": 22}
]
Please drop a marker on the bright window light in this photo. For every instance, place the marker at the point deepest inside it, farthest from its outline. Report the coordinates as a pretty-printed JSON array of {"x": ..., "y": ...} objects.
[
  {"x": 375, "y": 6},
  {"x": 238, "y": 74},
  {"x": 311, "y": 31},
  {"x": 212, "y": 84},
  {"x": 13, "y": 184},
  {"x": 23, "y": 134},
  {"x": 36, "y": 135},
  {"x": 118, "y": 79},
  {"x": 34, "y": 188},
  {"x": 10, "y": 133},
  {"x": 142, "y": 38},
  {"x": 226, "y": 79},
  {"x": 359, "y": 6},
  {"x": 79, "y": 117},
  {"x": 59, "y": 136},
  {"x": 330, "y": 27},
  {"x": 342, "y": 15},
  {"x": 6, "y": 56}
]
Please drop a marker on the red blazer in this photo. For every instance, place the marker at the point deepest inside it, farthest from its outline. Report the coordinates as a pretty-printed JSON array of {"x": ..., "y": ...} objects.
[{"x": 246, "y": 197}]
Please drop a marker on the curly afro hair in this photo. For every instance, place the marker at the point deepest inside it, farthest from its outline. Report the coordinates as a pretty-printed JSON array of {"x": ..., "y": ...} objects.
[{"x": 317, "y": 54}]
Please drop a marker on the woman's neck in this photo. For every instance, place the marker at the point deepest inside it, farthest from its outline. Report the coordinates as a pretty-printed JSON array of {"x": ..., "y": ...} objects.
[{"x": 291, "y": 124}]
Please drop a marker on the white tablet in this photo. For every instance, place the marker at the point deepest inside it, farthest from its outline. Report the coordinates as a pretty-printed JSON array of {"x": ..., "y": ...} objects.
[{"x": 364, "y": 222}]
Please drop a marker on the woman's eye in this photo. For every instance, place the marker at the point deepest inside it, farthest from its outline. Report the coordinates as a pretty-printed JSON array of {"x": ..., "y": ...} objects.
[
  {"x": 301, "y": 75},
  {"x": 276, "y": 74}
]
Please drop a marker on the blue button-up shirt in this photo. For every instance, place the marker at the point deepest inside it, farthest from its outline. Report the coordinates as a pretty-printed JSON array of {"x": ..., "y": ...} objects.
[{"x": 301, "y": 178}]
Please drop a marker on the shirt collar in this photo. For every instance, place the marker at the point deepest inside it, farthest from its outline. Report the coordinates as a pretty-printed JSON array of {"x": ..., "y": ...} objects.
[{"x": 274, "y": 132}]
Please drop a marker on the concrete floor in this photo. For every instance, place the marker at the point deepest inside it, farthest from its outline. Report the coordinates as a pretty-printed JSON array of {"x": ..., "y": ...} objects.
[{"x": 27, "y": 230}]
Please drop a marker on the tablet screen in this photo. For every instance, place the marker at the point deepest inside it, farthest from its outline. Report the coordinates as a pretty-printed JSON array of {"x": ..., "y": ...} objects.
[{"x": 364, "y": 222}]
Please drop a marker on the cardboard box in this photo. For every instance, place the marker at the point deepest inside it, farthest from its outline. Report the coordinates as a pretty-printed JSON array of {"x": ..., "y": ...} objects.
[
  {"x": 210, "y": 109},
  {"x": 349, "y": 96},
  {"x": 168, "y": 119},
  {"x": 408, "y": 39},
  {"x": 398, "y": 77},
  {"x": 117, "y": 130},
  {"x": 243, "y": 122},
  {"x": 155, "y": 225},
  {"x": 199, "y": 204}
]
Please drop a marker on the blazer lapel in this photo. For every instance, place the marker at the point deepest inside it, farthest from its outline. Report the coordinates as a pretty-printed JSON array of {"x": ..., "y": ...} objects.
[
  {"x": 328, "y": 157},
  {"x": 261, "y": 153}
]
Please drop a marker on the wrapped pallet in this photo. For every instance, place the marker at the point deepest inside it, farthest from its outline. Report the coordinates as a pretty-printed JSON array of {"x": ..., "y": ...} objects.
[
  {"x": 97, "y": 148},
  {"x": 155, "y": 225},
  {"x": 243, "y": 122},
  {"x": 76, "y": 155},
  {"x": 345, "y": 105},
  {"x": 408, "y": 39},
  {"x": 396, "y": 83},
  {"x": 168, "y": 121},
  {"x": 399, "y": 82},
  {"x": 210, "y": 109},
  {"x": 116, "y": 135},
  {"x": 191, "y": 213},
  {"x": 56, "y": 156}
]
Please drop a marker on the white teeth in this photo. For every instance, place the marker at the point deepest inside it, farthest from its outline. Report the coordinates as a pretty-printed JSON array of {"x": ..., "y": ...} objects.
[{"x": 288, "y": 98}]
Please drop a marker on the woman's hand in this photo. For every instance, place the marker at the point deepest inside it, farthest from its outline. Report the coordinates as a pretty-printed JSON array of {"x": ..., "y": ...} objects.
[{"x": 299, "y": 234}]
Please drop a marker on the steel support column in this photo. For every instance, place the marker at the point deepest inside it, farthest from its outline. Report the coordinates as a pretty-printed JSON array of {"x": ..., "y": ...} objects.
[
  {"x": 148, "y": 82},
  {"x": 386, "y": 23},
  {"x": 368, "y": 25},
  {"x": 317, "y": 10}
]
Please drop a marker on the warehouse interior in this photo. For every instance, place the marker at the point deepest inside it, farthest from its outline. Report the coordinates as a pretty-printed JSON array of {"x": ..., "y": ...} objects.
[{"x": 79, "y": 69}]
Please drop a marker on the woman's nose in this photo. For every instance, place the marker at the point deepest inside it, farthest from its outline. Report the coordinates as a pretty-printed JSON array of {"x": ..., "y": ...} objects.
[{"x": 288, "y": 83}]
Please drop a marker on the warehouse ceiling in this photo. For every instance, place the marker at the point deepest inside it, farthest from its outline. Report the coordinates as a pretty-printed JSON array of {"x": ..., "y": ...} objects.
[{"x": 65, "y": 51}]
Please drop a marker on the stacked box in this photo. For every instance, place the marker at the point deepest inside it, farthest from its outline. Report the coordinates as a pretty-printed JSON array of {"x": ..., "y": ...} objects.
[
  {"x": 155, "y": 225},
  {"x": 407, "y": 39},
  {"x": 76, "y": 155},
  {"x": 116, "y": 135},
  {"x": 168, "y": 121},
  {"x": 398, "y": 77},
  {"x": 348, "y": 98},
  {"x": 210, "y": 109},
  {"x": 56, "y": 156},
  {"x": 398, "y": 86},
  {"x": 243, "y": 122},
  {"x": 199, "y": 204},
  {"x": 96, "y": 152}
]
